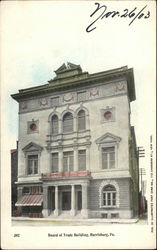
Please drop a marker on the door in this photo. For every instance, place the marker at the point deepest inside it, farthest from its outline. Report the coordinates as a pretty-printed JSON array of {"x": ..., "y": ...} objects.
[
  {"x": 79, "y": 200},
  {"x": 66, "y": 200}
]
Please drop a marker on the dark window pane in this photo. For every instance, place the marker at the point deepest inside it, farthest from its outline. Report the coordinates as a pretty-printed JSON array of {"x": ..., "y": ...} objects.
[
  {"x": 82, "y": 159},
  {"x": 55, "y": 162},
  {"x": 68, "y": 122},
  {"x": 32, "y": 164},
  {"x": 104, "y": 161},
  {"x": 55, "y": 124},
  {"x": 81, "y": 120}
]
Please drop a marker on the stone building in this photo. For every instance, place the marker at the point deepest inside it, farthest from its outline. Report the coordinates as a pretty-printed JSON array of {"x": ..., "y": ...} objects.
[
  {"x": 14, "y": 164},
  {"x": 77, "y": 150}
]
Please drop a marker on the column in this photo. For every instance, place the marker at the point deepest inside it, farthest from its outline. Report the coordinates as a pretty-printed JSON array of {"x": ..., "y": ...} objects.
[
  {"x": 87, "y": 122},
  {"x": 60, "y": 160},
  {"x": 75, "y": 123},
  {"x": 75, "y": 158},
  {"x": 19, "y": 194},
  {"x": 84, "y": 210},
  {"x": 45, "y": 201},
  {"x": 56, "y": 211},
  {"x": 72, "y": 212},
  {"x": 60, "y": 126},
  {"x": 88, "y": 157}
]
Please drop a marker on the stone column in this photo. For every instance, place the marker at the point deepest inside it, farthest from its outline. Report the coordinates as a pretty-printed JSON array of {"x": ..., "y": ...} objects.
[
  {"x": 75, "y": 123},
  {"x": 73, "y": 211},
  {"x": 60, "y": 126},
  {"x": 84, "y": 210},
  {"x": 19, "y": 194},
  {"x": 56, "y": 211},
  {"x": 45, "y": 201},
  {"x": 75, "y": 158},
  {"x": 60, "y": 160}
]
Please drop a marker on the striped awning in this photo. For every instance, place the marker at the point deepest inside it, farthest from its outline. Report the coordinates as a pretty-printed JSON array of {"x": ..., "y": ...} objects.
[{"x": 30, "y": 200}]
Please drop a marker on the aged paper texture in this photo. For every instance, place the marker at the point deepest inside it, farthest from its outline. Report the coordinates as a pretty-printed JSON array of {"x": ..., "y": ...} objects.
[{"x": 36, "y": 38}]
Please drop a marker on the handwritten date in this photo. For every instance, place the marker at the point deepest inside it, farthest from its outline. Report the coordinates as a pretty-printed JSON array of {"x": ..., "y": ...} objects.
[{"x": 102, "y": 11}]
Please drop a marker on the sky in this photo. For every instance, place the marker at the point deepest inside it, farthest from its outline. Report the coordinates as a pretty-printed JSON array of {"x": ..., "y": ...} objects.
[{"x": 37, "y": 37}]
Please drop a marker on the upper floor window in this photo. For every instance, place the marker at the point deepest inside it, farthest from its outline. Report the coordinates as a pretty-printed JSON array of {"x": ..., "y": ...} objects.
[
  {"x": 68, "y": 161},
  {"x": 81, "y": 120},
  {"x": 109, "y": 196},
  {"x": 55, "y": 162},
  {"x": 54, "y": 124},
  {"x": 82, "y": 159},
  {"x": 67, "y": 122},
  {"x": 108, "y": 157},
  {"x": 32, "y": 164}
]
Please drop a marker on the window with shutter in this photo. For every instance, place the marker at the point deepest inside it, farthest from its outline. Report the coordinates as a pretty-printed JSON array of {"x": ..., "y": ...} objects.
[
  {"x": 109, "y": 196},
  {"x": 54, "y": 124},
  {"x": 81, "y": 120},
  {"x": 67, "y": 122},
  {"x": 68, "y": 161},
  {"x": 55, "y": 162},
  {"x": 108, "y": 157},
  {"x": 82, "y": 159},
  {"x": 32, "y": 164}
]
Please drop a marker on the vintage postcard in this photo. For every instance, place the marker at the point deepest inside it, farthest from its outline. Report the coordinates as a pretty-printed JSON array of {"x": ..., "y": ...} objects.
[{"x": 78, "y": 81}]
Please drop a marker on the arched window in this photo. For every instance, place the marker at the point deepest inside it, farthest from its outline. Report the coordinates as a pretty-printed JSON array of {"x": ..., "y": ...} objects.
[
  {"x": 109, "y": 196},
  {"x": 54, "y": 124},
  {"x": 81, "y": 120},
  {"x": 67, "y": 122}
]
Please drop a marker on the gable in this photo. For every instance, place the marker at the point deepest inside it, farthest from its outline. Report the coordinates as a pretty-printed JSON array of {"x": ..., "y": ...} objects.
[
  {"x": 32, "y": 147},
  {"x": 108, "y": 138}
]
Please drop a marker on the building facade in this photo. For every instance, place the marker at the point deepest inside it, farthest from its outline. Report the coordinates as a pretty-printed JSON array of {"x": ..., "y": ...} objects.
[
  {"x": 14, "y": 167},
  {"x": 77, "y": 150}
]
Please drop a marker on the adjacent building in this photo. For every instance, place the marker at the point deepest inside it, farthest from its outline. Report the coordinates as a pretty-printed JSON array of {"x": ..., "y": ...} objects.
[
  {"x": 14, "y": 167},
  {"x": 77, "y": 153}
]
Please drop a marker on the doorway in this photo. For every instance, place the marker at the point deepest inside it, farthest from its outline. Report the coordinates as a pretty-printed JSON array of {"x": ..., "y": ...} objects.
[
  {"x": 79, "y": 200},
  {"x": 66, "y": 200}
]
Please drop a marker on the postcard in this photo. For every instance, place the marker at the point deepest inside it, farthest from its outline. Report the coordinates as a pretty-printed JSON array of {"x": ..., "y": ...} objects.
[{"x": 78, "y": 124}]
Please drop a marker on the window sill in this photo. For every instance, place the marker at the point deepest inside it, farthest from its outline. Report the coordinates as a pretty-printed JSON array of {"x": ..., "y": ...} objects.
[{"x": 109, "y": 207}]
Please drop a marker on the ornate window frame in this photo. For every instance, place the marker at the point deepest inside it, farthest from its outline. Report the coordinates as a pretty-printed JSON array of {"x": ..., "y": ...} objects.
[
  {"x": 86, "y": 117},
  {"x": 50, "y": 122},
  {"x": 36, "y": 125},
  {"x": 29, "y": 150},
  {"x": 106, "y": 141},
  {"x": 74, "y": 118},
  {"x": 102, "y": 185},
  {"x": 110, "y": 110}
]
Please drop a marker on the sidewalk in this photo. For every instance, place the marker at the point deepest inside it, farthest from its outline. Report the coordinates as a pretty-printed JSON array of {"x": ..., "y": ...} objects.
[{"x": 95, "y": 220}]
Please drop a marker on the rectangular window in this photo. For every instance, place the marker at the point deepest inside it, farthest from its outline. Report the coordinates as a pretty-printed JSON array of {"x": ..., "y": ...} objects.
[
  {"x": 82, "y": 160},
  {"x": 55, "y": 162},
  {"x": 26, "y": 190},
  {"x": 108, "y": 158},
  {"x": 55, "y": 101},
  {"x": 68, "y": 161},
  {"x": 109, "y": 199},
  {"x": 32, "y": 164},
  {"x": 81, "y": 96}
]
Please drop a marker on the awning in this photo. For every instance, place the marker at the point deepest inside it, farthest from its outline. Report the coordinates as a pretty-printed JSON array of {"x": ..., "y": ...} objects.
[{"x": 30, "y": 200}]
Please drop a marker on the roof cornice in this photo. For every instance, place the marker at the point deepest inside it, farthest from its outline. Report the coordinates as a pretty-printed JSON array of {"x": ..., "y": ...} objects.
[{"x": 84, "y": 79}]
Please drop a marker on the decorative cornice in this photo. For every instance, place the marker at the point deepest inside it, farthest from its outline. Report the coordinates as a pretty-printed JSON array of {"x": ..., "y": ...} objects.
[{"x": 70, "y": 83}]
